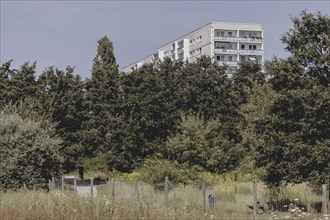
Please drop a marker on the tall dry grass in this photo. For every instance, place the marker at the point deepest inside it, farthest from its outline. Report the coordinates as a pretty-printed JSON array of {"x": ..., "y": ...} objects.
[{"x": 185, "y": 202}]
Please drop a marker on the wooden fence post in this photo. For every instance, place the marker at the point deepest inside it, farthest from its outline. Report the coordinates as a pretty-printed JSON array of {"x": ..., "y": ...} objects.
[
  {"x": 62, "y": 185},
  {"x": 254, "y": 195},
  {"x": 113, "y": 189},
  {"x": 75, "y": 184},
  {"x": 50, "y": 185},
  {"x": 53, "y": 183},
  {"x": 166, "y": 191},
  {"x": 92, "y": 184},
  {"x": 136, "y": 190},
  {"x": 204, "y": 195},
  {"x": 324, "y": 199}
]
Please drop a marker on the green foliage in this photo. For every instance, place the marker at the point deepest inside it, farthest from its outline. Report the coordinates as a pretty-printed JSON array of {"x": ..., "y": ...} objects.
[
  {"x": 103, "y": 97},
  {"x": 61, "y": 95},
  {"x": 29, "y": 153},
  {"x": 202, "y": 144},
  {"x": 288, "y": 126},
  {"x": 97, "y": 163},
  {"x": 309, "y": 43},
  {"x": 17, "y": 84},
  {"x": 154, "y": 172}
]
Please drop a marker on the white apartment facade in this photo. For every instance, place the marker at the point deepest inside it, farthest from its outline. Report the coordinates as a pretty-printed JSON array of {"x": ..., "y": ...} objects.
[{"x": 226, "y": 43}]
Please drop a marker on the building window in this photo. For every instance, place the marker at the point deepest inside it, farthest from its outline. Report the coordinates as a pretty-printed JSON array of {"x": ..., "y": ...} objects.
[
  {"x": 242, "y": 47},
  {"x": 254, "y": 47},
  {"x": 250, "y": 47},
  {"x": 242, "y": 58},
  {"x": 218, "y": 33},
  {"x": 230, "y": 34},
  {"x": 218, "y": 58},
  {"x": 222, "y": 34},
  {"x": 222, "y": 58},
  {"x": 230, "y": 58}
]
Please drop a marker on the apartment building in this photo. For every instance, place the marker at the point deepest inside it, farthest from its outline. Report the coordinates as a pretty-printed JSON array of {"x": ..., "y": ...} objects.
[{"x": 226, "y": 43}]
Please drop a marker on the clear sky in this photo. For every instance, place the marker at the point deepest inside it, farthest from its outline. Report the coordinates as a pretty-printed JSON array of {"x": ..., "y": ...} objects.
[{"x": 63, "y": 33}]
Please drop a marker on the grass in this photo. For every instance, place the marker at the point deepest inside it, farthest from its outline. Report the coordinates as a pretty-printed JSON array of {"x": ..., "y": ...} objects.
[{"x": 185, "y": 202}]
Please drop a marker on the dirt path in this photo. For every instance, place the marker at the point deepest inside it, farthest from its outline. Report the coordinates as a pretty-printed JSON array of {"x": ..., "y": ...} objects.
[{"x": 83, "y": 186}]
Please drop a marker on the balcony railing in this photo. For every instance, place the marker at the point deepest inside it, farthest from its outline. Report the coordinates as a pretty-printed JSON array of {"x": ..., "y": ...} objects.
[
  {"x": 249, "y": 39},
  {"x": 254, "y": 52},
  {"x": 226, "y": 38},
  {"x": 229, "y": 63},
  {"x": 180, "y": 50},
  {"x": 225, "y": 50}
]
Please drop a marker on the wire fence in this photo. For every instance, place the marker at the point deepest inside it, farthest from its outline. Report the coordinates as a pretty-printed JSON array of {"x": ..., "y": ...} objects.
[{"x": 252, "y": 198}]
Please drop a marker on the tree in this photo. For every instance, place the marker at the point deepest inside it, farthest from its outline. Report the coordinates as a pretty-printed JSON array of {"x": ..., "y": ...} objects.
[
  {"x": 29, "y": 151},
  {"x": 62, "y": 96},
  {"x": 103, "y": 96},
  {"x": 245, "y": 77},
  {"x": 18, "y": 84},
  {"x": 292, "y": 131},
  {"x": 309, "y": 44},
  {"x": 203, "y": 144}
]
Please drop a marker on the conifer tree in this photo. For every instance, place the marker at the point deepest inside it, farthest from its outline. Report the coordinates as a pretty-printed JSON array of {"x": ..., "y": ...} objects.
[{"x": 103, "y": 96}]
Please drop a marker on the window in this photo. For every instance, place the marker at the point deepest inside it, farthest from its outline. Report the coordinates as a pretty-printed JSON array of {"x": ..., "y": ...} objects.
[
  {"x": 242, "y": 47},
  {"x": 222, "y": 34},
  {"x": 222, "y": 58},
  {"x": 254, "y": 47},
  {"x": 242, "y": 58},
  {"x": 218, "y": 33},
  {"x": 230, "y": 58},
  {"x": 218, "y": 57},
  {"x": 250, "y": 47},
  {"x": 230, "y": 34}
]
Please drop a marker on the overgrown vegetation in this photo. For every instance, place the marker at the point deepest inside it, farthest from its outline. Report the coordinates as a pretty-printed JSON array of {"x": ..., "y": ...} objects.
[{"x": 183, "y": 203}]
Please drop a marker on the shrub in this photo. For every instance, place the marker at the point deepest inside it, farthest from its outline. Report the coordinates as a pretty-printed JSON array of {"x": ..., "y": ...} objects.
[
  {"x": 154, "y": 172},
  {"x": 97, "y": 163},
  {"x": 29, "y": 153}
]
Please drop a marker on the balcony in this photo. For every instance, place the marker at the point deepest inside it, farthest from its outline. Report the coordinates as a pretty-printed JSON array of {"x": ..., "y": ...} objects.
[
  {"x": 251, "y": 39},
  {"x": 225, "y": 50},
  {"x": 180, "y": 50},
  {"x": 228, "y": 63},
  {"x": 225, "y": 38},
  {"x": 251, "y": 52}
]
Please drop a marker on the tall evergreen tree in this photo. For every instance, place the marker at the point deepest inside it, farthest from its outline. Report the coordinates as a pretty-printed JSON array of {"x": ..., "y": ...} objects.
[{"x": 103, "y": 96}]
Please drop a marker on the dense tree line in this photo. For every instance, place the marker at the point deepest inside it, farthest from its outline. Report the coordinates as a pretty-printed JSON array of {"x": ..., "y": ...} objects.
[{"x": 191, "y": 114}]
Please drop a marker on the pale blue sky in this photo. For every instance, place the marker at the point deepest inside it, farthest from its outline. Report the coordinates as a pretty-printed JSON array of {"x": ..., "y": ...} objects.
[{"x": 63, "y": 33}]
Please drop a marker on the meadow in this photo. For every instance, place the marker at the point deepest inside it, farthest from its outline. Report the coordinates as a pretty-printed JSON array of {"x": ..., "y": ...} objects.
[{"x": 184, "y": 202}]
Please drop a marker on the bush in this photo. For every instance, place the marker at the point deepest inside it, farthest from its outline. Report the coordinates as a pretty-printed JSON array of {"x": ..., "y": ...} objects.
[
  {"x": 28, "y": 152},
  {"x": 154, "y": 172},
  {"x": 97, "y": 163}
]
